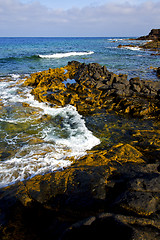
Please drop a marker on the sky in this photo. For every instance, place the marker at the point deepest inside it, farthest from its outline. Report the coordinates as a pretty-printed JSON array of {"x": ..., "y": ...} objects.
[{"x": 78, "y": 18}]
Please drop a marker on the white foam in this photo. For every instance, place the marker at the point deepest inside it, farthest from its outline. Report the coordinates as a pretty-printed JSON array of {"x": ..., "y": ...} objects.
[
  {"x": 71, "y": 138},
  {"x": 79, "y": 136},
  {"x": 15, "y": 76},
  {"x": 63, "y": 55},
  {"x": 38, "y": 160},
  {"x": 116, "y": 39},
  {"x": 133, "y": 48}
]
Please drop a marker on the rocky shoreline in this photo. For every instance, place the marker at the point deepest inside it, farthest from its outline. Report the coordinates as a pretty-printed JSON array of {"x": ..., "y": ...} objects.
[
  {"x": 96, "y": 88},
  {"x": 113, "y": 191},
  {"x": 153, "y": 43},
  {"x": 153, "y": 35}
]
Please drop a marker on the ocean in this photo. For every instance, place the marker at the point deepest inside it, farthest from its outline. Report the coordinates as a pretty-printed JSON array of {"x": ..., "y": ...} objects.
[
  {"x": 27, "y": 55},
  {"x": 35, "y": 138}
]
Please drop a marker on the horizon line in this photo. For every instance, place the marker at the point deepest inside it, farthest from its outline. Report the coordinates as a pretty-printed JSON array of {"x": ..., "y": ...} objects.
[{"x": 68, "y": 37}]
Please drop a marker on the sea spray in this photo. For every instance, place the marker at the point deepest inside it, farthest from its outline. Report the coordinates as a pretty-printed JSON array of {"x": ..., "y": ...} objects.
[{"x": 36, "y": 138}]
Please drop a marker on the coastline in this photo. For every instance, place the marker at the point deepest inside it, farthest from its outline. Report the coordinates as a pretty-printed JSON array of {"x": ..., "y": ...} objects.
[
  {"x": 111, "y": 188},
  {"x": 95, "y": 88},
  {"x": 152, "y": 42}
]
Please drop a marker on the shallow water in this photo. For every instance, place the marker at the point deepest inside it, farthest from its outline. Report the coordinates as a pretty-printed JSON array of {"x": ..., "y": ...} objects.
[
  {"x": 113, "y": 129},
  {"x": 36, "y": 138}
]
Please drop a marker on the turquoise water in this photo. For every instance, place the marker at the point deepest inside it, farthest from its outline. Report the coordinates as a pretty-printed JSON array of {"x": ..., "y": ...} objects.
[
  {"x": 25, "y": 55},
  {"x": 36, "y": 138}
]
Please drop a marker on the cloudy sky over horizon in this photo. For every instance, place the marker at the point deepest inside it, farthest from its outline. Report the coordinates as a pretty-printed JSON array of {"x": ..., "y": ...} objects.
[{"x": 60, "y": 18}]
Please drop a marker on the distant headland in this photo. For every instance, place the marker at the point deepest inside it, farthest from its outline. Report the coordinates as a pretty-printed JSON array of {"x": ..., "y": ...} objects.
[
  {"x": 153, "y": 43},
  {"x": 153, "y": 35}
]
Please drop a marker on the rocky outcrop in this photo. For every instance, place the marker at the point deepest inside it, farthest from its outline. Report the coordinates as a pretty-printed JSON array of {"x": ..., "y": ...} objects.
[
  {"x": 153, "y": 43},
  {"x": 96, "y": 88},
  {"x": 113, "y": 190},
  {"x": 152, "y": 46},
  {"x": 153, "y": 35}
]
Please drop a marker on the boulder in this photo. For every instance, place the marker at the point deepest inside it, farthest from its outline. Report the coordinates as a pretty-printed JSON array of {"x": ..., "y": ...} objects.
[{"x": 136, "y": 84}]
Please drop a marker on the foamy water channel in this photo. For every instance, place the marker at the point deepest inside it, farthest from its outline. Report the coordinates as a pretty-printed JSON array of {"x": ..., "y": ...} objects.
[{"x": 35, "y": 138}]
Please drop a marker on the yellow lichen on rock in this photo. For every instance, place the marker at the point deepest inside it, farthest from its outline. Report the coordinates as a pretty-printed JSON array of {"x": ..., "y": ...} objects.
[
  {"x": 126, "y": 153},
  {"x": 60, "y": 182},
  {"x": 49, "y": 86},
  {"x": 95, "y": 89}
]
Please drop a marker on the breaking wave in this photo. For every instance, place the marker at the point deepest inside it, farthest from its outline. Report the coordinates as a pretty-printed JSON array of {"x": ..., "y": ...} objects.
[
  {"x": 68, "y": 54},
  {"x": 36, "y": 138},
  {"x": 133, "y": 48},
  {"x": 42, "y": 56}
]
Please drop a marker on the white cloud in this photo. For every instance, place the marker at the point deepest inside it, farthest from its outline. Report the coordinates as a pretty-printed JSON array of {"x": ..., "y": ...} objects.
[{"x": 110, "y": 19}]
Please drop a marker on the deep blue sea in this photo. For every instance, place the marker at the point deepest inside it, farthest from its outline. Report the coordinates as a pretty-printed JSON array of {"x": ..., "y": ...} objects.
[
  {"x": 27, "y": 55},
  {"x": 36, "y": 138}
]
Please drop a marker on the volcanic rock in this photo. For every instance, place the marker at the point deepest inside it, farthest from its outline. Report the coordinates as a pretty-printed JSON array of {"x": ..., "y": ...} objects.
[
  {"x": 94, "y": 88},
  {"x": 153, "y": 35},
  {"x": 111, "y": 191}
]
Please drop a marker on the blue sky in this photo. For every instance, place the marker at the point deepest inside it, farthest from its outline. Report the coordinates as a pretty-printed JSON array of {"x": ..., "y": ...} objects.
[
  {"x": 80, "y": 3},
  {"x": 60, "y": 18},
  {"x": 66, "y": 4}
]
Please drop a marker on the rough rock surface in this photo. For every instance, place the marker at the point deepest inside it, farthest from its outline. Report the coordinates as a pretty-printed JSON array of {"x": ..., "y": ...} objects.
[
  {"x": 96, "y": 88},
  {"x": 153, "y": 35},
  {"x": 113, "y": 191},
  {"x": 153, "y": 43}
]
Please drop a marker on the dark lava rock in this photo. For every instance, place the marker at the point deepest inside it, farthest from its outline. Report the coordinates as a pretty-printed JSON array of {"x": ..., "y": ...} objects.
[
  {"x": 106, "y": 192},
  {"x": 153, "y": 44},
  {"x": 153, "y": 35},
  {"x": 158, "y": 71},
  {"x": 109, "y": 192}
]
